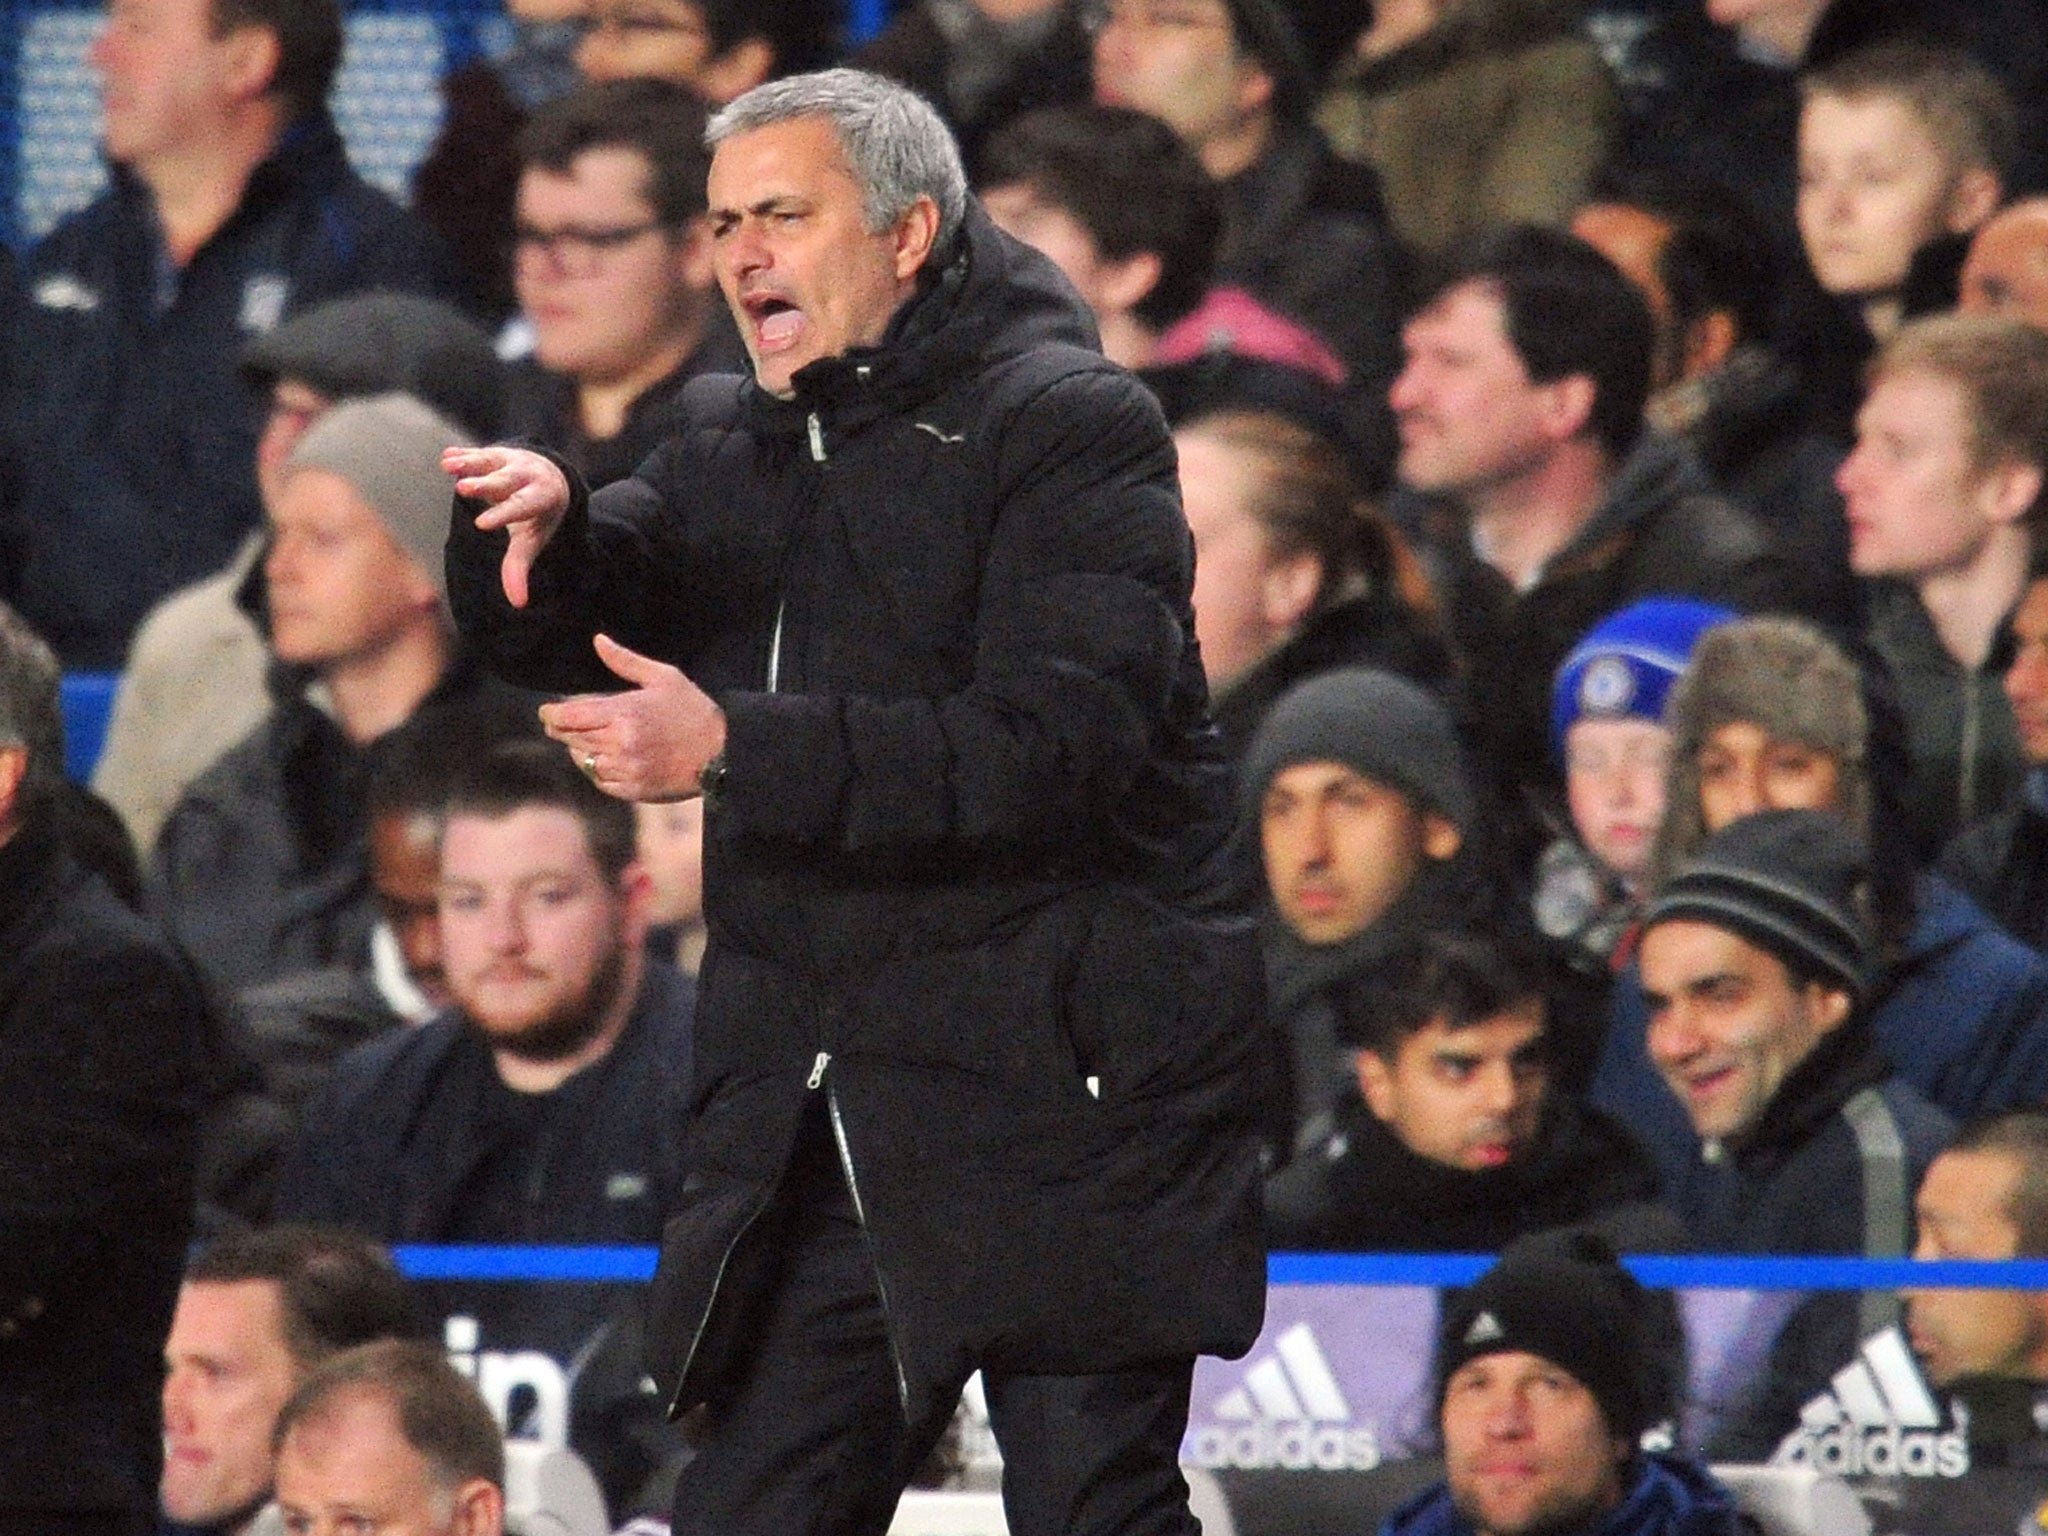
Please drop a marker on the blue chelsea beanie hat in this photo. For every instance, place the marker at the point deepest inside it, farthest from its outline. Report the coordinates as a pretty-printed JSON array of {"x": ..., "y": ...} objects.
[{"x": 1628, "y": 662}]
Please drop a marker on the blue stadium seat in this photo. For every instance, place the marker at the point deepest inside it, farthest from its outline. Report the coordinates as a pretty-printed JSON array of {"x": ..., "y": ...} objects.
[{"x": 87, "y": 699}]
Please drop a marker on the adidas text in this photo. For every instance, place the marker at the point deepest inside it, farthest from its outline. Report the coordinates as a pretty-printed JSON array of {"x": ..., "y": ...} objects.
[
  {"x": 1296, "y": 1447},
  {"x": 1882, "y": 1451}
]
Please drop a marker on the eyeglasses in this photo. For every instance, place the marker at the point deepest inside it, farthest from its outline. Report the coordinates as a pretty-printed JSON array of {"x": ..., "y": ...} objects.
[
  {"x": 1154, "y": 15},
  {"x": 575, "y": 250},
  {"x": 646, "y": 24}
]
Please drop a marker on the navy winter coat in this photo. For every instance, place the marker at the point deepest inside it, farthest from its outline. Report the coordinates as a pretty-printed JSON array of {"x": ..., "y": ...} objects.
[
  {"x": 1669, "y": 1497},
  {"x": 132, "y": 434}
]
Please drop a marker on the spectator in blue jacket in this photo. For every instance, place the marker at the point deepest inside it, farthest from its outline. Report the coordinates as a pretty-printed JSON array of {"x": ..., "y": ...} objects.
[{"x": 232, "y": 207}]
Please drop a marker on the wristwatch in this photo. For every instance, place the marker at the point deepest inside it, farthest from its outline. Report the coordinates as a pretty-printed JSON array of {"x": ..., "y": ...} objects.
[{"x": 712, "y": 779}]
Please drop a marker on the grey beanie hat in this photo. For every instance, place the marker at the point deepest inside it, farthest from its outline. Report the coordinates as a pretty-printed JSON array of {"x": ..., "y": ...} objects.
[
  {"x": 1794, "y": 883},
  {"x": 389, "y": 448},
  {"x": 1375, "y": 723}
]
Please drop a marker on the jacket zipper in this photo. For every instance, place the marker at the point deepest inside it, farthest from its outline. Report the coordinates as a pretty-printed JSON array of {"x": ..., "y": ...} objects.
[
  {"x": 860, "y": 1214},
  {"x": 1966, "y": 777},
  {"x": 814, "y": 432}
]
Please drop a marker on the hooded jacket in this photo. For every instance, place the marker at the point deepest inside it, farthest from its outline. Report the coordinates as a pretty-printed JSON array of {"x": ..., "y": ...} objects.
[
  {"x": 135, "y": 437},
  {"x": 1499, "y": 114},
  {"x": 1668, "y": 1497},
  {"x": 956, "y": 877}
]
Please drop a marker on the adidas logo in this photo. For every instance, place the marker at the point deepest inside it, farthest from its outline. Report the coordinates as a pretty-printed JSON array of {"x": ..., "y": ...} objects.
[
  {"x": 1485, "y": 1329},
  {"x": 1289, "y": 1412},
  {"x": 1876, "y": 1420}
]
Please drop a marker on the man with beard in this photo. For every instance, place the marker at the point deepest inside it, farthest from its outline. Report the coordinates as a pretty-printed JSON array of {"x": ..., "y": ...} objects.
[{"x": 547, "y": 1105}]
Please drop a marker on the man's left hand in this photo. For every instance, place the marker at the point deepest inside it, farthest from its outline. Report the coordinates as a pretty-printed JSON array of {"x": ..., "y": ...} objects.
[{"x": 648, "y": 743}]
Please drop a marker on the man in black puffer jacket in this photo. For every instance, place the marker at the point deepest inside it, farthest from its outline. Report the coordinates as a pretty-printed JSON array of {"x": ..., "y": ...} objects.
[{"x": 973, "y": 1043}]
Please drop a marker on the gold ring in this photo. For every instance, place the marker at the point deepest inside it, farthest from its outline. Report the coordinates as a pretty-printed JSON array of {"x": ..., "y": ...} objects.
[{"x": 590, "y": 765}]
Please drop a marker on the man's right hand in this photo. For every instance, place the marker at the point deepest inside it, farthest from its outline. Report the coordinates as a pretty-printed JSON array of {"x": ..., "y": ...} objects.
[{"x": 523, "y": 492}]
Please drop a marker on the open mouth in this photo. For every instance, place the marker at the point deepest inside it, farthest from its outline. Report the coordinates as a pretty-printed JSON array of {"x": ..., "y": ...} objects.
[{"x": 777, "y": 322}]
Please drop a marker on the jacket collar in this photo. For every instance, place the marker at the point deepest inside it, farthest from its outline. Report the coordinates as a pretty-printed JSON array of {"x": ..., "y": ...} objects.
[{"x": 1846, "y": 1061}]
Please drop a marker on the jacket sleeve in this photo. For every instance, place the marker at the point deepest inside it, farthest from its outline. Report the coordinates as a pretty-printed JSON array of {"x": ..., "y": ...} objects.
[
  {"x": 1080, "y": 659},
  {"x": 616, "y": 571},
  {"x": 1081, "y": 654}
]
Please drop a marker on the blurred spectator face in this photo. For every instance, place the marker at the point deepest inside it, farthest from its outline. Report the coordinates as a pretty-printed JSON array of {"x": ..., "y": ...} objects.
[
  {"x": 1469, "y": 1097},
  {"x": 645, "y": 40},
  {"x": 1964, "y": 1211},
  {"x": 1470, "y": 416},
  {"x": 670, "y": 840},
  {"x": 1015, "y": 10},
  {"x": 1634, "y": 241},
  {"x": 293, "y": 408},
  {"x": 349, "y": 1469},
  {"x": 1744, "y": 769},
  {"x": 2026, "y": 678},
  {"x": 1247, "y": 600},
  {"x": 1179, "y": 61},
  {"x": 1341, "y": 848},
  {"x": 1918, "y": 501},
  {"x": 227, "y": 1373},
  {"x": 1874, "y": 187},
  {"x": 340, "y": 588},
  {"x": 405, "y": 872},
  {"x": 1396, "y": 23},
  {"x": 1526, "y": 1448},
  {"x": 535, "y": 939},
  {"x": 1614, "y": 780},
  {"x": 2006, "y": 272},
  {"x": 1109, "y": 287},
  {"x": 1749, "y": 13},
  {"x": 167, "y": 83},
  {"x": 808, "y": 288},
  {"x": 1727, "y": 1022},
  {"x": 610, "y": 291}
]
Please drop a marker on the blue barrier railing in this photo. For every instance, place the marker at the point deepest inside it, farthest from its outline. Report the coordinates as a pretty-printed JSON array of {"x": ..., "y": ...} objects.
[{"x": 1689, "y": 1272}]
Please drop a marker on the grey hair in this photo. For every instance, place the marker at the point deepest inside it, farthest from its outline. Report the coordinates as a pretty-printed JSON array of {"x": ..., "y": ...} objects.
[
  {"x": 30, "y": 714},
  {"x": 898, "y": 146}
]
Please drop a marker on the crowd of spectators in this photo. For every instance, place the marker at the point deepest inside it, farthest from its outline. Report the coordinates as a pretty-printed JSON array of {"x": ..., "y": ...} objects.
[{"x": 1614, "y": 441}]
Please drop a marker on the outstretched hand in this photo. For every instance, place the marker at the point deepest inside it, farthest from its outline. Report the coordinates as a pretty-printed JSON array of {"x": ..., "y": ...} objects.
[
  {"x": 524, "y": 492},
  {"x": 650, "y": 742}
]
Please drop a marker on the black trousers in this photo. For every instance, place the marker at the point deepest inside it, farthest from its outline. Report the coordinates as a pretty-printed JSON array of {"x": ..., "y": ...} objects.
[{"x": 810, "y": 1437}]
